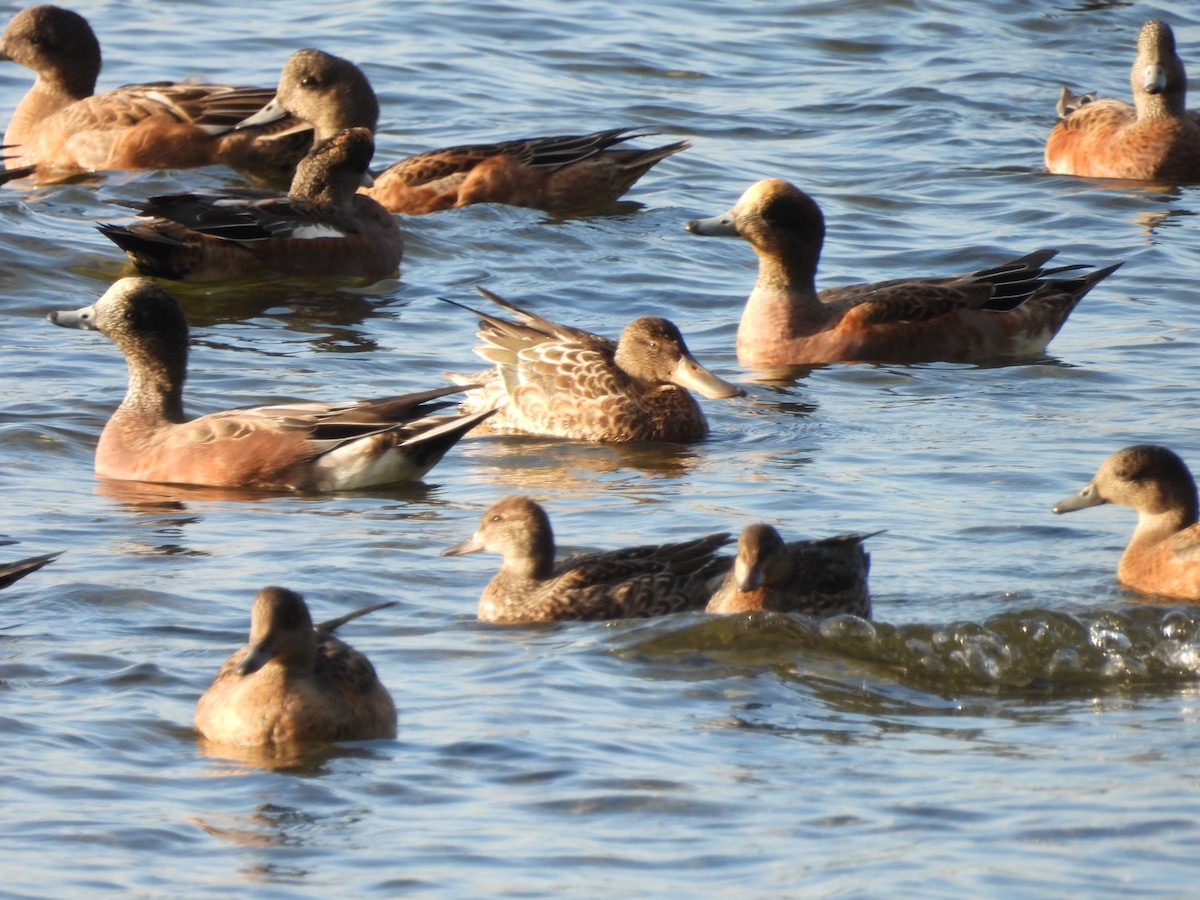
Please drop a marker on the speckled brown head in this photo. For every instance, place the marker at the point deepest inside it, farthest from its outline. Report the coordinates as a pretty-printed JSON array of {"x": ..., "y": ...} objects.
[
  {"x": 281, "y": 631},
  {"x": 1158, "y": 77},
  {"x": 761, "y": 558},
  {"x": 519, "y": 530},
  {"x": 652, "y": 350},
  {"x": 328, "y": 92}
]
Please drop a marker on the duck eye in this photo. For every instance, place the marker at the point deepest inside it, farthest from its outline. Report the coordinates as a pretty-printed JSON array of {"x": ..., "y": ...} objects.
[
  {"x": 653, "y": 345},
  {"x": 497, "y": 518},
  {"x": 308, "y": 81}
]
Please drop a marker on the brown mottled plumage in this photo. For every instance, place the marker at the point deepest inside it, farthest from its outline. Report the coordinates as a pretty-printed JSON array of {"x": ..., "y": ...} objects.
[
  {"x": 294, "y": 682},
  {"x": 1011, "y": 310},
  {"x": 320, "y": 227},
  {"x": 553, "y": 173},
  {"x": 63, "y": 127},
  {"x": 635, "y": 582},
  {"x": 558, "y": 381},
  {"x": 298, "y": 446},
  {"x": 15, "y": 571},
  {"x": 1163, "y": 556},
  {"x": 1155, "y": 139},
  {"x": 819, "y": 578}
]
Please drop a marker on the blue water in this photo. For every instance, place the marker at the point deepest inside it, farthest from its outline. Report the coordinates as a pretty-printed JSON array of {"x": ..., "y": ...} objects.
[{"x": 1013, "y": 723}]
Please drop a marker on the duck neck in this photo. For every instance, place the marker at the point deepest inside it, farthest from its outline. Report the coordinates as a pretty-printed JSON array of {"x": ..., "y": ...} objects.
[
  {"x": 785, "y": 293},
  {"x": 535, "y": 559},
  {"x": 335, "y": 189},
  {"x": 44, "y": 99},
  {"x": 1167, "y": 105},
  {"x": 778, "y": 568},
  {"x": 1155, "y": 527},
  {"x": 155, "y": 388}
]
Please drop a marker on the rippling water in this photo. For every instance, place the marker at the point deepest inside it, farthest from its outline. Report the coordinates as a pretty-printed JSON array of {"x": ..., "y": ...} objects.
[{"x": 1013, "y": 722}]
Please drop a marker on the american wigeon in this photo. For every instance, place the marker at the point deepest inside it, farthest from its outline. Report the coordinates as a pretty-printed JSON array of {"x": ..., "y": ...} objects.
[
  {"x": 62, "y": 127},
  {"x": 1154, "y": 139},
  {"x": 294, "y": 446},
  {"x": 1012, "y": 310},
  {"x": 550, "y": 173},
  {"x": 1163, "y": 556},
  {"x": 15, "y": 571},
  {"x": 320, "y": 227},
  {"x": 553, "y": 380},
  {"x": 295, "y": 682},
  {"x": 615, "y": 584},
  {"x": 823, "y": 577}
]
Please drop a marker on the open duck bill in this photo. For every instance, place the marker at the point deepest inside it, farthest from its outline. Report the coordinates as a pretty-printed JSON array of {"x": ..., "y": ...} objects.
[
  {"x": 690, "y": 374},
  {"x": 1085, "y": 499}
]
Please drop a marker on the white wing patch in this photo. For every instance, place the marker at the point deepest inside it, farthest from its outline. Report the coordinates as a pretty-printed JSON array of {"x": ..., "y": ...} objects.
[{"x": 315, "y": 230}]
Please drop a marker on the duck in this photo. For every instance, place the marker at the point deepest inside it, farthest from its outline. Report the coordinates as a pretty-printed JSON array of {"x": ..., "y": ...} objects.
[
  {"x": 1163, "y": 556},
  {"x": 1155, "y": 138},
  {"x": 289, "y": 446},
  {"x": 321, "y": 227},
  {"x": 552, "y": 173},
  {"x": 635, "y": 582},
  {"x": 62, "y": 127},
  {"x": 14, "y": 571},
  {"x": 558, "y": 381},
  {"x": 295, "y": 682},
  {"x": 824, "y": 577},
  {"x": 1008, "y": 311}
]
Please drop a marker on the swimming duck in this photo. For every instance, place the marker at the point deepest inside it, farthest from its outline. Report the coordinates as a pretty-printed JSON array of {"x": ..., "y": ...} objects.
[
  {"x": 1163, "y": 556},
  {"x": 294, "y": 682},
  {"x": 558, "y": 381},
  {"x": 291, "y": 446},
  {"x": 614, "y": 584},
  {"x": 825, "y": 577},
  {"x": 63, "y": 127},
  {"x": 1011, "y": 310},
  {"x": 320, "y": 227},
  {"x": 550, "y": 173},
  {"x": 15, "y": 571},
  {"x": 1155, "y": 139}
]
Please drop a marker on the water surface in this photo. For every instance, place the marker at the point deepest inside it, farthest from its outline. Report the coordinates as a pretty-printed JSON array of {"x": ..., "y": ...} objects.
[{"x": 1013, "y": 722}]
